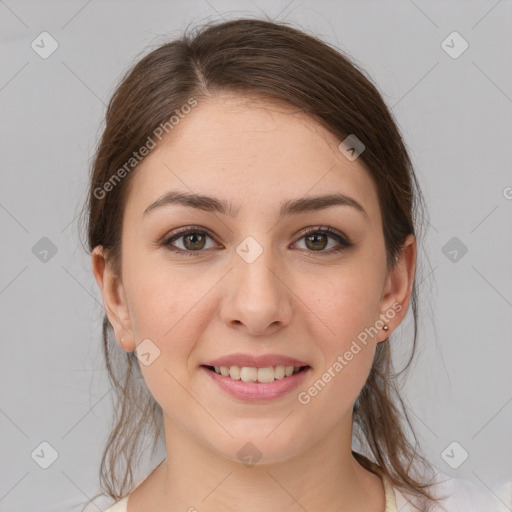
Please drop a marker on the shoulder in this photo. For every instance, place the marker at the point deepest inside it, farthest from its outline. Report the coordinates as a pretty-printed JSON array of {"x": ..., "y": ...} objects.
[
  {"x": 122, "y": 504},
  {"x": 119, "y": 506},
  {"x": 456, "y": 495},
  {"x": 103, "y": 503}
]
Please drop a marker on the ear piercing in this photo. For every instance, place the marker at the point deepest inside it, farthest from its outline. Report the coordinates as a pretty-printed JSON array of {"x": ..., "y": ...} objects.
[{"x": 386, "y": 327}]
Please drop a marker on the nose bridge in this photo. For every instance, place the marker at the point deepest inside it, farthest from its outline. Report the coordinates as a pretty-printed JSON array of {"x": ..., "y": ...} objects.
[
  {"x": 257, "y": 264},
  {"x": 258, "y": 295}
]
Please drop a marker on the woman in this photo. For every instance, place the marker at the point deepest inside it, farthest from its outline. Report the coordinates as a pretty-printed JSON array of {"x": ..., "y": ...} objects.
[{"x": 252, "y": 218}]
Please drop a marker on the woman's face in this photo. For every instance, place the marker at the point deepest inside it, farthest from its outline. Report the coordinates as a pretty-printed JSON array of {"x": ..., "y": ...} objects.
[{"x": 250, "y": 281}]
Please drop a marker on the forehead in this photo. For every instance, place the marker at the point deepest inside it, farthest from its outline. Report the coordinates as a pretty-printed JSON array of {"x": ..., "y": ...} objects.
[{"x": 252, "y": 153}]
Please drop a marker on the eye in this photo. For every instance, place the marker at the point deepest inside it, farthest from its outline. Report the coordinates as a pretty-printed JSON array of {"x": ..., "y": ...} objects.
[
  {"x": 194, "y": 240},
  {"x": 316, "y": 240}
]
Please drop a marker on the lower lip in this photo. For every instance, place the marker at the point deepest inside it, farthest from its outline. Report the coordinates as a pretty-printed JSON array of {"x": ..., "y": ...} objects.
[{"x": 258, "y": 391}]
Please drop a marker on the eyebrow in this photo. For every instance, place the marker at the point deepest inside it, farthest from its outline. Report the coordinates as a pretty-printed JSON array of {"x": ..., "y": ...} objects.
[{"x": 289, "y": 207}]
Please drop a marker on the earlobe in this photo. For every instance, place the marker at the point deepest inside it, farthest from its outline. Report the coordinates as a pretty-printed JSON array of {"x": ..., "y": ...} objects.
[
  {"x": 114, "y": 298},
  {"x": 398, "y": 288}
]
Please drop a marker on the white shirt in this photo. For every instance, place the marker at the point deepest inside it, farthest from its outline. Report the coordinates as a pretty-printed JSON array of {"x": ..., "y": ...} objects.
[{"x": 462, "y": 496}]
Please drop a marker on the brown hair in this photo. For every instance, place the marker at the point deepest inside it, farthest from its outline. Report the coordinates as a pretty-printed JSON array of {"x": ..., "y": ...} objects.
[{"x": 277, "y": 62}]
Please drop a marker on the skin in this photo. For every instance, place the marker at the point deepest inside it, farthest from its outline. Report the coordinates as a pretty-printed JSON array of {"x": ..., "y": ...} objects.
[{"x": 295, "y": 299}]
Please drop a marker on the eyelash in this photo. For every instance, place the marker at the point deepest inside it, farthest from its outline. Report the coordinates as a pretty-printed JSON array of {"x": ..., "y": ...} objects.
[{"x": 343, "y": 241}]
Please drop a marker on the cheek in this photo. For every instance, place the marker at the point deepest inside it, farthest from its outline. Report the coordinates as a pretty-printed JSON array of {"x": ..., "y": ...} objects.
[
  {"x": 345, "y": 341},
  {"x": 166, "y": 308},
  {"x": 345, "y": 303},
  {"x": 158, "y": 294},
  {"x": 346, "y": 308},
  {"x": 172, "y": 307}
]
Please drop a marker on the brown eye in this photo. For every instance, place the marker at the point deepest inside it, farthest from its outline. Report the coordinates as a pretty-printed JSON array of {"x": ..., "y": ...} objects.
[
  {"x": 191, "y": 242},
  {"x": 194, "y": 241},
  {"x": 316, "y": 241}
]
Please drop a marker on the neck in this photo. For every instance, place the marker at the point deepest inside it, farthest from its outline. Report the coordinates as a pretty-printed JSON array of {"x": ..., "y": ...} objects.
[{"x": 325, "y": 477}]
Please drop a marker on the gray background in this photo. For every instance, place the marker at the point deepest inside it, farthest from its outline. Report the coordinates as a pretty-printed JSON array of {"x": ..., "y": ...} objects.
[{"x": 455, "y": 115}]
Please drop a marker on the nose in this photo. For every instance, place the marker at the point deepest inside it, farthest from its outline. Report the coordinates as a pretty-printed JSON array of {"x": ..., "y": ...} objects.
[{"x": 258, "y": 299}]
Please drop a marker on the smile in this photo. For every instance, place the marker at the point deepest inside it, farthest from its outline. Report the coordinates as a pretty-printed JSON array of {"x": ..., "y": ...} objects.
[
  {"x": 276, "y": 381},
  {"x": 253, "y": 374}
]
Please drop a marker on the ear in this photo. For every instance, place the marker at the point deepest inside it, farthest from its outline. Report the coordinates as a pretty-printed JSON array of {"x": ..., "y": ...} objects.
[
  {"x": 397, "y": 290},
  {"x": 114, "y": 298}
]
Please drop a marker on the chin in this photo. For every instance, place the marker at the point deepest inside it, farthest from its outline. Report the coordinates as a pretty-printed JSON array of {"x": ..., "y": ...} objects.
[{"x": 259, "y": 450}]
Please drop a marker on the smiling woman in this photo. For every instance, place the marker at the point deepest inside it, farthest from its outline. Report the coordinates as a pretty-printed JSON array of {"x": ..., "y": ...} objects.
[{"x": 253, "y": 266}]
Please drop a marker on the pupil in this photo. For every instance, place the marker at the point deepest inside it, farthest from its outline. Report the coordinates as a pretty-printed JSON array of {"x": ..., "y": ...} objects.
[
  {"x": 191, "y": 237},
  {"x": 315, "y": 238}
]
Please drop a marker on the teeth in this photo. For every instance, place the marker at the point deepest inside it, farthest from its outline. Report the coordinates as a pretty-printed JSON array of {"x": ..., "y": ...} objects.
[
  {"x": 251, "y": 374},
  {"x": 279, "y": 372},
  {"x": 266, "y": 374},
  {"x": 248, "y": 374},
  {"x": 234, "y": 372}
]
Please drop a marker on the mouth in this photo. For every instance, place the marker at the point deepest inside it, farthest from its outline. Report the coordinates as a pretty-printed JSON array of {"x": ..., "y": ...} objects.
[
  {"x": 260, "y": 375},
  {"x": 261, "y": 384}
]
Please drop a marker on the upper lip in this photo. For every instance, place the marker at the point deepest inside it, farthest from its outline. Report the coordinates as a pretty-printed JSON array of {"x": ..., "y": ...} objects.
[{"x": 254, "y": 361}]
